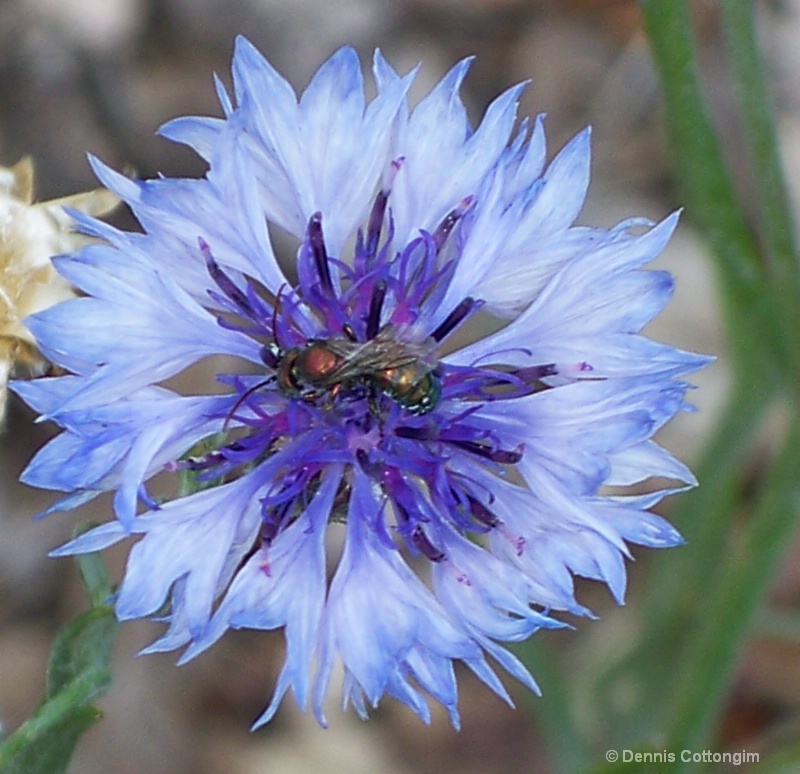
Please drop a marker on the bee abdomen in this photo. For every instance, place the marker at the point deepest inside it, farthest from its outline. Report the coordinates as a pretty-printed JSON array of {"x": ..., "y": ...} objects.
[{"x": 416, "y": 390}]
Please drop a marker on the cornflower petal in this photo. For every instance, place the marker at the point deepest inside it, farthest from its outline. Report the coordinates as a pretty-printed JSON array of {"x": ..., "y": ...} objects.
[
  {"x": 305, "y": 159},
  {"x": 379, "y": 636},
  {"x": 199, "y": 133},
  {"x": 449, "y": 160},
  {"x": 283, "y": 584},
  {"x": 513, "y": 225},
  {"x": 187, "y": 538}
]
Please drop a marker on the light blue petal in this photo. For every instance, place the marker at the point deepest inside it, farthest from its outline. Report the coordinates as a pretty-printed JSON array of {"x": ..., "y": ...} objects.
[
  {"x": 94, "y": 540},
  {"x": 199, "y": 133},
  {"x": 187, "y": 538}
]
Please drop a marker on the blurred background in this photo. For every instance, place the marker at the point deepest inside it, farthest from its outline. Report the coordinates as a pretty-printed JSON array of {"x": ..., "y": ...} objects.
[{"x": 78, "y": 76}]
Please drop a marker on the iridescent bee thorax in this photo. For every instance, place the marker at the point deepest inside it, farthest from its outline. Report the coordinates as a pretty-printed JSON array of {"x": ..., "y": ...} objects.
[{"x": 304, "y": 368}]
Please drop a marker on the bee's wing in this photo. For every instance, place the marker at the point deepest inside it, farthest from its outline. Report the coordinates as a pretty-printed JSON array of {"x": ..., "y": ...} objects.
[
  {"x": 378, "y": 354},
  {"x": 403, "y": 352}
]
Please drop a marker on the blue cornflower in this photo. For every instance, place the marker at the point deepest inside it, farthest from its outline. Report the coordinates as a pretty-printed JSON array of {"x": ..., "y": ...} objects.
[{"x": 479, "y": 467}]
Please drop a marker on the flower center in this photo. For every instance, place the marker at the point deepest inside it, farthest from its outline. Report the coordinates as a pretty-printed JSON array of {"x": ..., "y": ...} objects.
[{"x": 354, "y": 378}]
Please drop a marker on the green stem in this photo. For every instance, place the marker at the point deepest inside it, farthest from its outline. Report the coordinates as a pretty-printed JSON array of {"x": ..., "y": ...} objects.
[
  {"x": 553, "y": 711},
  {"x": 776, "y": 229},
  {"x": 669, "y": 609},
  {"x": 76, "y": 696},
  {"x": 778, "y": 625},
  {"x": 708, "y": 190},
  {"x": 762, "y": 318},
  {"x": 718, "y": 637}
]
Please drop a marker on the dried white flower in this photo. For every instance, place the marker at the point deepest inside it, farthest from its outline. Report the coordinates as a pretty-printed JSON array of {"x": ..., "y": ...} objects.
[{"x": 30, "y": 234}]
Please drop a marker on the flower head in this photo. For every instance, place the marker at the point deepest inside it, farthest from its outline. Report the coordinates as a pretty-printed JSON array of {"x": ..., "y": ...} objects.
[
  {"x": 29, "y": 235},
  {"x": 466, "y": 480}
]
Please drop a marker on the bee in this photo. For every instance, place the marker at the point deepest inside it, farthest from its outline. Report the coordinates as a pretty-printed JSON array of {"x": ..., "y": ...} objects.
[{"x": 399, "y": 369}]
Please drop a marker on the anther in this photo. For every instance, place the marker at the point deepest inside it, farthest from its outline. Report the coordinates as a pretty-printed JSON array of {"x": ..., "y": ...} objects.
[
  {"x": 454, "y": 319},
  {"x": 537, "y": 372},
  {"x": 363, "y": 460},
  {"x": 425, "y": 547},
  {"x": 414, "y": 433},
  {"x": 375, "y": 224},
  {"x": 481, "y": 513},
  {"x": 223, "y": 281},
  {"x": 375, "y": 308},
  {"x": 503, "y": 456},
  {"x": 317, "y": 242},
  {"x": 449, "y": 222}
]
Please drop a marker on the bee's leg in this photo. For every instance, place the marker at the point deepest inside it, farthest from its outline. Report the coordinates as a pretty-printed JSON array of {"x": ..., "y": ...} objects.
[{"x": 373, "y": 398}]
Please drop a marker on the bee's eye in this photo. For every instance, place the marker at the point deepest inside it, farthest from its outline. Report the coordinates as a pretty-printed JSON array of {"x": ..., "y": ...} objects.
[
  {"x": 287, "y": 377},
  {"x": 271, "y": 355}
]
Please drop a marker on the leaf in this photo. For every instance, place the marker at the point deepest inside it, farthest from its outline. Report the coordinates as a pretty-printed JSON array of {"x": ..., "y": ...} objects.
[{"x": 78, "y": 673}]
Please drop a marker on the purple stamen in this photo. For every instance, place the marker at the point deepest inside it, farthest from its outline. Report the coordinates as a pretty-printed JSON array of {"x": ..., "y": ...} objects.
[
  {"x": 537, "y": 372},
  {"x": 145, "y": 497},
  {"x": 317, "y": 242},
  {"x": 272, "y": 519},
  {"x": 223, "y": 281},
  {"x": 375, "y": 308},
  {"x": 366, "y": 465},
  {"x": 481, "y": 513},
  {"x": 196, "y": 464},
  {"x": 454, "y": 319},
  {"x": 503, "y": 456},
  {"x": 424, "y": 546},
  {"x": 449, "y": 222},
  {"x": 374, "y": 226},
  {"x": 242, "y": 399},
  {"x": 376, "y": 215}
]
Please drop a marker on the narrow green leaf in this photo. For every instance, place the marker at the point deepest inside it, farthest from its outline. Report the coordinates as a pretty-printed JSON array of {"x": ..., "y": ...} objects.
[
  {"x": 45, "y": 742},
  {"x": 78, "y": 673},
  {"x": 752, "y": 319},
  {"x": 775, "y": 227},
  {"x": 553, "y": 711},
  {"x": 730, "y": 605},
  {"x": 670, "y": 603},
  {"x": 95, "y": 578},
  {"x": 764, "y": 344},
  {"x": 51, "y": 754},
  {"x": 82, "y": 645}
]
